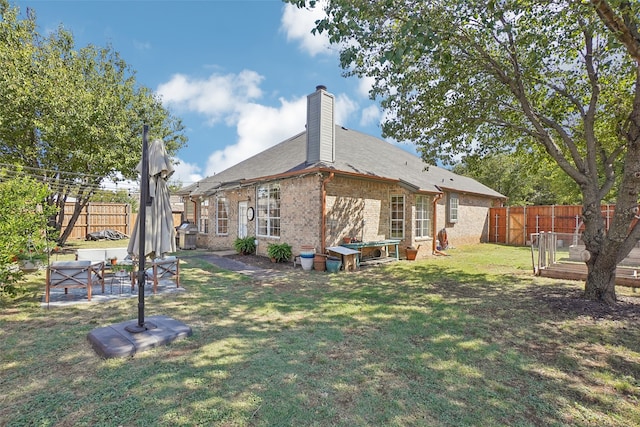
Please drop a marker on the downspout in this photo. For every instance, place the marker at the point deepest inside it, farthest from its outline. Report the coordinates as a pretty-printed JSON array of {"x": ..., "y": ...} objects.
[
  {"x": 323, "y": 231},
  {"x": 435, "y": 222}
]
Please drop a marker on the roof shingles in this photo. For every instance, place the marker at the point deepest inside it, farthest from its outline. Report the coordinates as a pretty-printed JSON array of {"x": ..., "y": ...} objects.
[{"x": 356, "y": 153}]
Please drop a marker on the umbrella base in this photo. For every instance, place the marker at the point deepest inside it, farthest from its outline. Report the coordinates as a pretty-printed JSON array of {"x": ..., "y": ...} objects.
[
  {"x": 117, "y": 341},
  {"x": 136, "y": 329}
]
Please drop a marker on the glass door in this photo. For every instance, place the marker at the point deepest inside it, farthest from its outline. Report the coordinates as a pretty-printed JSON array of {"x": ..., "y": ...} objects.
[{"x": 242, "y": 219}]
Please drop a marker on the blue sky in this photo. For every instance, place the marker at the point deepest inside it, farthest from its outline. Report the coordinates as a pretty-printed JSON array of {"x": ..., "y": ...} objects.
[{"x": 237, "y": 72}]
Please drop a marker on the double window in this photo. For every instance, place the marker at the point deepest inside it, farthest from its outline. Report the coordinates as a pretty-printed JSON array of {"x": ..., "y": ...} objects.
[
  {"x": 222, "y": 216},
  {"x": 424, "y": 214},
  {"x": 397, "y": 216},
  {"x": 268, "y": 210}
]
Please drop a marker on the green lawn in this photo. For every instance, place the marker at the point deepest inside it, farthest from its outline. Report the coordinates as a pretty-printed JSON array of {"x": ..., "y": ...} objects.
[{"x": 471, "y": 339}]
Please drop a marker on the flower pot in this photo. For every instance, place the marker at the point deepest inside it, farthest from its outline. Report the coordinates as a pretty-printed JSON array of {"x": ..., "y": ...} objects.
[
  {"x": 333, "y": 265},
  {"x": 346, "y": 239},
  {"x": 307, "y": 251},
  {"x": 306, "y": 261},
  {"x": 411, "y": 254},
  {"x": 319, "y": 262}
]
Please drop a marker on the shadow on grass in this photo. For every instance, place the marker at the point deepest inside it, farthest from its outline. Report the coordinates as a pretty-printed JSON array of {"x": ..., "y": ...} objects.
[{"x": 408, "y": 344}]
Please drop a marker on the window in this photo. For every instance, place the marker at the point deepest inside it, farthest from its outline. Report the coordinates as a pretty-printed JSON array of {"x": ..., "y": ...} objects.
[
  {"x": 268, "y": 210},
  {"x": 222, "y": 216},
  {"x": 397, "y": 217},
  {"x": 203, "y": 218},
  {"x": 190, "y": 210},
  {"x": 423, "y": 216},
  {"x": 452, "y": 206}
]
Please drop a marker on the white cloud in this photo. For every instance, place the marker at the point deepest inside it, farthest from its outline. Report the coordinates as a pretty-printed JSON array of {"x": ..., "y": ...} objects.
[
  {"x": 216, "y": 97},
  {"x": 364, "y": 86},
  {"x": 345, "y": 107},
  {"x": 297, "y": 24},
  {"x": 370, "y": 115},
  {"x": 186, "y": 173},
  {"x": 139, "y": 45},
  {"x": 260, "y": 127},
  {"x": 230, "y": 98}
]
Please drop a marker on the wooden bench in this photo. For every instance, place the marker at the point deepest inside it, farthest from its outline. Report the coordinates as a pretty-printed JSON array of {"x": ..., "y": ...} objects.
[{"x": 349, "y": 257}]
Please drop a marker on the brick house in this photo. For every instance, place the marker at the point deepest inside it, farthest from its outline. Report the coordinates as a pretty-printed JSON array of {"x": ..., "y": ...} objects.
[{"x": 330, "y": 182}]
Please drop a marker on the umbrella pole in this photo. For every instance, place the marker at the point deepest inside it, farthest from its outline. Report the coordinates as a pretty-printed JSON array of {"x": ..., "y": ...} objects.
[{"x": 145, "y": 201}]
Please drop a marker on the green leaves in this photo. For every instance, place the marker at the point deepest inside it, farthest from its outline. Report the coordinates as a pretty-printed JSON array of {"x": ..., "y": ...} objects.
[
  {"x": 23, "y": 221},
  {"x": 78, "y": 113}
]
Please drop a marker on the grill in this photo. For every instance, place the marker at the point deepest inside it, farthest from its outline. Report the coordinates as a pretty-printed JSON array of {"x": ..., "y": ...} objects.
[{"x": 187, "y": 233}]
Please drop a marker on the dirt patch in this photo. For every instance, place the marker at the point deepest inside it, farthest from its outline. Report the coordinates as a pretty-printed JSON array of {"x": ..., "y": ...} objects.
[{"x": 572, "y": 302}]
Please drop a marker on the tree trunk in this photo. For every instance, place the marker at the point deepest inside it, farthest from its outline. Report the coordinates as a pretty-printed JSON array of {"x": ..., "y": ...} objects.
[
  {"x": 601, "y": 278},
  {"x": 77, "y": 210}
]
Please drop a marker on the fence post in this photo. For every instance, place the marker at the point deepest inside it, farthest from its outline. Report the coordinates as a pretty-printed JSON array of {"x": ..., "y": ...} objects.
[{"x": 88, "y": 208}]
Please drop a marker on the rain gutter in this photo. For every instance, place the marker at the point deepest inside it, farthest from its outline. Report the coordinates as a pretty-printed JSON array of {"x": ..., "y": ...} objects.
[{"x": 323, "y": 223}]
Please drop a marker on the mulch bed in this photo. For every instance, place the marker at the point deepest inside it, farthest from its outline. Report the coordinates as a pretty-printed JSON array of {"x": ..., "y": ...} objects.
[{"x": 262, "y": 262}]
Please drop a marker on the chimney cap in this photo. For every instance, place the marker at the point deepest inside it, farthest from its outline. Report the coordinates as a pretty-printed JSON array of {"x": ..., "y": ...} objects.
[{"x": 321, "y": 87}]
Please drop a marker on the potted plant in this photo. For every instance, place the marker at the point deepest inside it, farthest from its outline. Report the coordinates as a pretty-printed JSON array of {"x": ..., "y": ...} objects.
[
  {"x": 279, "y": 252},
  {"x": 245, "y": 245}
]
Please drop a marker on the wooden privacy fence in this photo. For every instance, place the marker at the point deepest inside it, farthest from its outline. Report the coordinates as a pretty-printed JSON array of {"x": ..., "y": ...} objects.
[
  {"x": 100, "y": 216},
  {"x": 513, "y": 225}
]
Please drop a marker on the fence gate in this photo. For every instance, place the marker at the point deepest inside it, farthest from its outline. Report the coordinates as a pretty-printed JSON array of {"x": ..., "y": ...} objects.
[{"x": 516, "y": 228}]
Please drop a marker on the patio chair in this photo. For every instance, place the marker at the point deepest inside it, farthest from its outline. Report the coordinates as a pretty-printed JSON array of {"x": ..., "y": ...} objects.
[
  {"x": 74, "y": 274},
  {"x": 160, "y": 268},
  {"x": 165, "y": 267}
]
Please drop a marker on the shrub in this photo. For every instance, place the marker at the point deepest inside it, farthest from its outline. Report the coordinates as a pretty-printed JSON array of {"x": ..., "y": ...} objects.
[
  {"x": 245, "y": 245},
  {"x": 23, "y": 220},
  {"x": 279, "y": 251}
]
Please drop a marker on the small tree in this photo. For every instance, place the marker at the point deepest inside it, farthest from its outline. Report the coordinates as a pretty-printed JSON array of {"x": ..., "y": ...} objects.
[{"x": 23, "y": 222}]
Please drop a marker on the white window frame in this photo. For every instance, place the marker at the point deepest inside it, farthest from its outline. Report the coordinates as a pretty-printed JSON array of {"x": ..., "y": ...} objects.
[
  {"x": 268, "y": 207},
  {"x": 453, "y": 208},
  {"x": 203, "y": 216},
  {"x": 222, "y": 218},
  {"x": 396, "y": 216},
  {"x": 424, "y": 217}
]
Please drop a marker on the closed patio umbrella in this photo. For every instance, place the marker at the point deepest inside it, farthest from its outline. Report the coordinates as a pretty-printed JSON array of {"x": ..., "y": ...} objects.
[
  {"x": 154, "y": 237},
  {"x": 160, "y": 234}
]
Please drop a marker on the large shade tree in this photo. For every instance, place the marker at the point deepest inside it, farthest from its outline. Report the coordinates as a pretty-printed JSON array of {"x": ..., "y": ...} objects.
[
  {"x": 72, "y": 116},
  {"x": 471, "y": 76}
]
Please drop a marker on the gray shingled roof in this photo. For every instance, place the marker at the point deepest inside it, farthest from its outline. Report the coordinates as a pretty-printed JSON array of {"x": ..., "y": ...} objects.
[{"x": 357, "y": 153}]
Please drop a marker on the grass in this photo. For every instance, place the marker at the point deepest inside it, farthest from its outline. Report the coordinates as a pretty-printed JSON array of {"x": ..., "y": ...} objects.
[{"x": 462, "y": 340}]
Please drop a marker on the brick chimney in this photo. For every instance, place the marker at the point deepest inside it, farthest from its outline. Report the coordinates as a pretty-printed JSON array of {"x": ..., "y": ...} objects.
[{"x": 321, "y": 131}]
